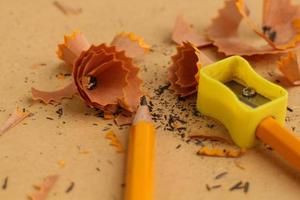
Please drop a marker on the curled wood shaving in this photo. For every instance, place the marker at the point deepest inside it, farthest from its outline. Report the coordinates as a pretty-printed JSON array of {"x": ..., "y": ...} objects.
[
  {"x": 184, "y": 69},
  {"x": 132, "y": 44},
  {"x": 44, "y": 188},
  {"x": 16, "y": 117},
  {"x": 72, "y": 46},
  {"x": 281, "y": 19},
  {"x": 121, "y": 120},
  {"x": 218, "y": 152},
  {"x": 290, "y": 68},
  {"x": 107, "y": 77},
  {"x": 56, "y": 96},
  {"x": 184, "y": 32},
  {"x": 280, "y": 23},
  {"x": 114, "y": 141},
  {"x": 224, "y": 33}
]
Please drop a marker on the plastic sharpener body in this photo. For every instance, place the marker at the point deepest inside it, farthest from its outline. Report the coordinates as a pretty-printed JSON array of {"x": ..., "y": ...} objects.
[{"x": 217, "y": 100}]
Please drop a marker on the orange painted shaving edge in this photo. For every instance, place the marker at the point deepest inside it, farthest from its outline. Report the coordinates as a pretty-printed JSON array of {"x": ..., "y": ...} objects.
[
  {"x": 290, "y": 68},
  {"x": 218, "y": 152}
]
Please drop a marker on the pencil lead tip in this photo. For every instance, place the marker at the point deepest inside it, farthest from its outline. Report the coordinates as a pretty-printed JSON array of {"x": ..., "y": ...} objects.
[{"x": 143, "y": 101}]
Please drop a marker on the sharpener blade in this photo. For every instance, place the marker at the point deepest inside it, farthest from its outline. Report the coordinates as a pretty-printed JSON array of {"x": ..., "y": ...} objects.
[{"x": 253, "y": 100}]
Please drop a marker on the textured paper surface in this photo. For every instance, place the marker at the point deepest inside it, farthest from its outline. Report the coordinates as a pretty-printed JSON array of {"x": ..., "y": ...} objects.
[{"x": 29, "y": 152}]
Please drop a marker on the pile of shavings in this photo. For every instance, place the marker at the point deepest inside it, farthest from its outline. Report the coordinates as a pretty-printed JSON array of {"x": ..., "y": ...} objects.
[
  {"x": 104, "y": 76},
  {"x": 279, "y": 30}
]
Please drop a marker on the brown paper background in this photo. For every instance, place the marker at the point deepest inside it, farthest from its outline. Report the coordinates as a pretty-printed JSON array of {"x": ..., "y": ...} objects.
[{"x": 29, "y": 33}]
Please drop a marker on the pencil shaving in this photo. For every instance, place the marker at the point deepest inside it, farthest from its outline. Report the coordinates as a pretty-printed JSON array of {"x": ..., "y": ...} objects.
[
  {"x": 280, "y": 23},
  {"x": 72, "y": 47},
  {"x": 133, "y": 45},
  {"x": 183, "y": 71},
  {"x": 243, "y": 10},
  {"x": 114, "y": 141},
  {"x": 122, "y": 120},
  {"x": 44, "y": 188},
  {"x": 56, "y": 96},
  {"x": 281, "y": 18},
  {"x": 16, "y": 117},
  {"x": 289, "y": 66},
  {"x": 106, "y": 77},
  {"x": 217, "y": 152},
  {"x": 183, "y": 32},
  {"x": 223, "y": 31}
]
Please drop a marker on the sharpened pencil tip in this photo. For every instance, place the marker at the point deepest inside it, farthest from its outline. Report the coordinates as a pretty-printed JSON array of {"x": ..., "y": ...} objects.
[{"x": 143, "y": 101}]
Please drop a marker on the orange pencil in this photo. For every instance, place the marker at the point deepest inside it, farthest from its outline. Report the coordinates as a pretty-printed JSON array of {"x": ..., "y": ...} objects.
[
  {"x": 286, "y": 143},
  {"x": 140, "y": 156}
]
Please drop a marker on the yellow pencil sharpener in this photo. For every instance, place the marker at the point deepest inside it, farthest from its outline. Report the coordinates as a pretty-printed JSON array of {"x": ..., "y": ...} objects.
[{"x": 233, "y": 93}]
